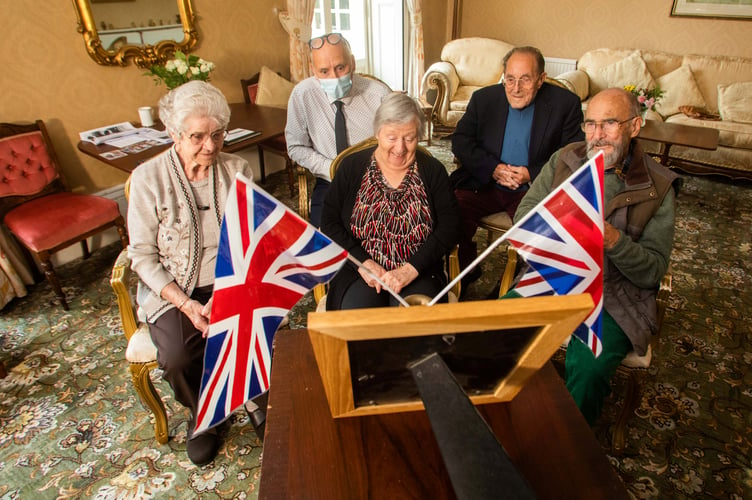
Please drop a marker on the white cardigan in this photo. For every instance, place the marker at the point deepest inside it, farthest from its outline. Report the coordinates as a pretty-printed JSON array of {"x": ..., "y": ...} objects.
[{"x": 164, "y": 228}]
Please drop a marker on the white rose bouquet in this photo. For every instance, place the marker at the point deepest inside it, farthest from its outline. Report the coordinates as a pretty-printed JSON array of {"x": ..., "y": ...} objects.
[{"x": 180, "y": 70}]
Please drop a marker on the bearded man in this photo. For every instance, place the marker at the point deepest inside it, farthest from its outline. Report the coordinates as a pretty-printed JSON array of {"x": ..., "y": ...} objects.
[{"x": 637, "y": 239}]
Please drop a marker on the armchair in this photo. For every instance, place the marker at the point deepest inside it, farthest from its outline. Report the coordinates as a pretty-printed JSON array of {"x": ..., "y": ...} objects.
[
  {"x": 141, "y": 354},
  {"x": 37, "y": 206},
  {"x": 466, "y": 65},
  {"x": 452, "y": 260}
]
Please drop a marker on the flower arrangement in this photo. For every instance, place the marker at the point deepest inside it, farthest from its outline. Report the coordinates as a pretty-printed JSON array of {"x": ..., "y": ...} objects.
[
  {"x": 647, "y": 98},
  {"x": 180, "y": 70}
]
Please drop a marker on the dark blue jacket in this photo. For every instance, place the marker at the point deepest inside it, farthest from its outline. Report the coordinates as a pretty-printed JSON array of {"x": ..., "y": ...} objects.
[{"x": 479, "y": 135}]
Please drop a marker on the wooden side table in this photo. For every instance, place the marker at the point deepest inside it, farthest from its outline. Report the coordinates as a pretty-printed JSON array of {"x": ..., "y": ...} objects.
[
  {"x": 669, "y": 134},
  {"x": 265, "y": 119}
]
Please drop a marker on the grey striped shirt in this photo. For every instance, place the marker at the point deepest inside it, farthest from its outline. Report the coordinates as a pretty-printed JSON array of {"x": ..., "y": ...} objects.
[{"x": 310, "y": 121}]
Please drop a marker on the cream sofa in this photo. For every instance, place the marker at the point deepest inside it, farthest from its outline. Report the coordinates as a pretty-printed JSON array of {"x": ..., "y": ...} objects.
[
  {"x": 719, "y": 85},
  {"x": 466, "y": 65}
]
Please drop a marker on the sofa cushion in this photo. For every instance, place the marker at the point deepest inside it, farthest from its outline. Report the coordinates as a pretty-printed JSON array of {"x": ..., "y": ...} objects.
[
  {"x": 478, "y": 61},
  {"x": 462, "y": 97},
  {"x": 730, "y": 134},
  {"x": 598, "y": 58},
  {"x": 680, "y": 89},
  {"x": 575, "y": 81},
  {"x": 273, "y": 90},
  {"x": 660, "y": 63},
  {"x": 631, "y": 70},
  {"x": 735, "y": 102},
  {"x": 711, "y": 71}
]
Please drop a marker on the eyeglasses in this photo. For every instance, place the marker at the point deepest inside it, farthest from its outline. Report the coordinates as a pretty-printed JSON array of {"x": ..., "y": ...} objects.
[
  {"x": 198, "y": 138},
  {"x": 332, "y": 38},
  {"x": 608, "y": 126},
  {"x": 524, "y": 81}
]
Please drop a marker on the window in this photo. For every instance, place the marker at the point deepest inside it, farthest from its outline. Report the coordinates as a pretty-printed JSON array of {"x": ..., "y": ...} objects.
[{"x": 374, "y": 30}]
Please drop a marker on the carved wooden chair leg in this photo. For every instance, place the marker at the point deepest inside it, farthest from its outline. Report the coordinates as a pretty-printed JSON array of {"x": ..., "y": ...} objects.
[
  {"x": 631, "y": 399},
  {"x": 85, "y": 249},
  {"x": 262, "y": 167},
  {"x": 122, "y": 232},
  {"x": 290, "y": 167},
  {"x": 51, "y": 275},
  {"x": 150, "y": 397}
]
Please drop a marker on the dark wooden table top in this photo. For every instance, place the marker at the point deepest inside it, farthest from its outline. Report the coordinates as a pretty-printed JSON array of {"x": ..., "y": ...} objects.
[
  {"x": 678, "y": 134},
  {"x": 307, "y": 454},
  {"x": 265, "y": 119}
]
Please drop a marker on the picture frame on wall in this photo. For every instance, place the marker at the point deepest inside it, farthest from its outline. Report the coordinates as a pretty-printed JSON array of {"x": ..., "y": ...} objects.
[{"x": 718, "y": 9}]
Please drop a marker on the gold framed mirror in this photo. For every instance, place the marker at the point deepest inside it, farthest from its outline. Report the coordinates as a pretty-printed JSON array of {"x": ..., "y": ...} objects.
[{"x": 142, "y": 36}]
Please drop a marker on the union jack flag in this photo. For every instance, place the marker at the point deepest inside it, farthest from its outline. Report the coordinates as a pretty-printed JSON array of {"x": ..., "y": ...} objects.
[
  {"x": 268, "y": 258},
  {"x": 561, "y": 240}
]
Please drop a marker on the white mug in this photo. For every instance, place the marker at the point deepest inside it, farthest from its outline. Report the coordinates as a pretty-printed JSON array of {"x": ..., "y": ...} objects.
[{"x": 144, "y": 113}]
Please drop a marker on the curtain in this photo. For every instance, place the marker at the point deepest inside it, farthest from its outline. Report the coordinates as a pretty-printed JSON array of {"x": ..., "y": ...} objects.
[
  {"x": 14, "y": 272},
  {"x": 296, "y": 20},
  {"x": 416, "y": 58}
]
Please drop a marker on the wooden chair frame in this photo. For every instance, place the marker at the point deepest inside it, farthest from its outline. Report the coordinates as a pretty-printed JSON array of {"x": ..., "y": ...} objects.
[
  {"x": 57, "y": 185},
  {"x": 140, "y": 370}
]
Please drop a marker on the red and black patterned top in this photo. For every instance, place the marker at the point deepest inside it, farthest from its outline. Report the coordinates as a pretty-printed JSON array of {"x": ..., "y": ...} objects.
[{"x": 391, "y": 223}]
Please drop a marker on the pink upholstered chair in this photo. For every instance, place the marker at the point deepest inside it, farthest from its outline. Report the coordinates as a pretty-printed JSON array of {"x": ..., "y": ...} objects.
[
  {"x": 276, "y": 145},
  {"x": 36, "y": 205}
]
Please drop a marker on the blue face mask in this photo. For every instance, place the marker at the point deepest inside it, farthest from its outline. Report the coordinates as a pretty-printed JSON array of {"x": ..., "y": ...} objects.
[{"x": 336, "y": 88}]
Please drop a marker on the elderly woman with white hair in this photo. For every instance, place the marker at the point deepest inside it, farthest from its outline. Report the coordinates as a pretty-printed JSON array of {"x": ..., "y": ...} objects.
[
  {"x": 392, "y": 208},
  {"x": 175, "y": 209}
]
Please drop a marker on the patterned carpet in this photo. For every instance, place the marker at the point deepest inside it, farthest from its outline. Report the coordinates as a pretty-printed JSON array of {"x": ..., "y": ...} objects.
[{"x": 71, "y": 425}]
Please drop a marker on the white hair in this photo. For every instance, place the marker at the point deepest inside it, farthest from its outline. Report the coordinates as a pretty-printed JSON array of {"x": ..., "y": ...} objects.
[
  {"x": 399, "y": 108},
  {"x": 193, "y": 99}
]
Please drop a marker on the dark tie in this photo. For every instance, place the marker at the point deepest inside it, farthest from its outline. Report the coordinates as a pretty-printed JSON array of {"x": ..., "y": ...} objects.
[{"x": 340, "y": 130}]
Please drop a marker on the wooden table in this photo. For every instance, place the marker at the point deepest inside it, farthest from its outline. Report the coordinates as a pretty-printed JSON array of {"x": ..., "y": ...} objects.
[
  {"x": 269, "y": 121},
  {"x": 669, "y": 134},
  {"x": 307, "y": 454}
]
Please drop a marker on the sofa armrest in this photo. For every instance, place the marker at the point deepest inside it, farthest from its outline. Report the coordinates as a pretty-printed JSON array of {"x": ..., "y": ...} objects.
[
  {"x": 440, "y": 79},
  {"x": 577, "y": 81}
]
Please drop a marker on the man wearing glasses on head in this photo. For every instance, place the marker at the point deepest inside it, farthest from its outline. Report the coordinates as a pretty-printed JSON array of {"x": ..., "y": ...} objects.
[
  {"x": 329, "y": 111},
  {"x": 506, "y": 135},
  {"x": 638, "y": 235}
]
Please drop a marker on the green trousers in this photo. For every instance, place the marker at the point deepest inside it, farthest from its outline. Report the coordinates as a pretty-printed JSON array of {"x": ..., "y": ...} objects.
[{"x": 588, "y": 378}]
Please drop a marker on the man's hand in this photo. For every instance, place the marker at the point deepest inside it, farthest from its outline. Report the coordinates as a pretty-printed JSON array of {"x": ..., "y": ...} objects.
[
  {"x": 611, "y": 236},
  {"x": 510, "y": 176}
]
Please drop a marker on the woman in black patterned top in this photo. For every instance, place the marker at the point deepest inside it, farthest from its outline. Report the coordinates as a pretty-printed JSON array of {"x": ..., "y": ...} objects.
[{"x": 391, "y": 207}]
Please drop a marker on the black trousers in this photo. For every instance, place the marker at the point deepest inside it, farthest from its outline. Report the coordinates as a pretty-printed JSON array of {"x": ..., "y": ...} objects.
[
  {"x": 359, "y": 295},
  {"x": 180, "y": 353},
  {"x": 317, "y": 200}
]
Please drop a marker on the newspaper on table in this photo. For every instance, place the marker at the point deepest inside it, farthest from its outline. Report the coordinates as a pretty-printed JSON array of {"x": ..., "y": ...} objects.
[
  {"x": 103, "y": 134},
  {"x": 124, "y": 134},
  {"x": 239, "y": 134}
]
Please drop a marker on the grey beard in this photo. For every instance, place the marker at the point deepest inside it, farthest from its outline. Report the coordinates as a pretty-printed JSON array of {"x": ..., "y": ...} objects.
[{"x": 611, "y": 159}]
